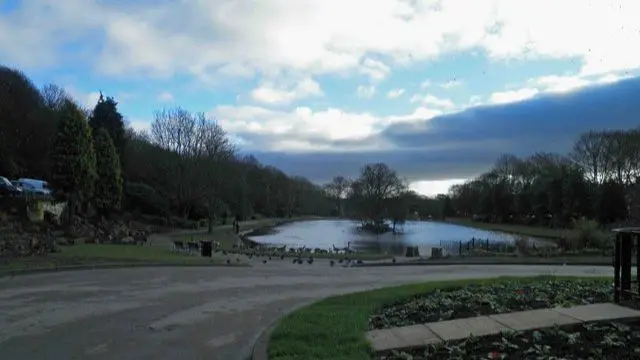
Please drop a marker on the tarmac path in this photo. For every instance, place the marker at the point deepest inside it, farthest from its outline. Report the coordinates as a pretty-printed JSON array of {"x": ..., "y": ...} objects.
[{"x": 183, "y": 313}]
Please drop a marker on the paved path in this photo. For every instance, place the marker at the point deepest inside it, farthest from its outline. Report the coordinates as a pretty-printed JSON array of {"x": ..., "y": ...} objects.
[
  {"x": 425, "y": 334},
  {"x": 188, "y": 313}
]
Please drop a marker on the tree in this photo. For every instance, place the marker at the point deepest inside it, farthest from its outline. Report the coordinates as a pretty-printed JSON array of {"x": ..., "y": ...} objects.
[
  {"x": 589, "y": 153},
  {"x": 26, "y": 127},
  {"x": 108, "y": 187},
  {"x": 73, "y": 158},
  {"x": 337, "y": 190},
  {"x": 203, "y": 149},
  {"x": 375, "y": 189},
  {"x": 105, "y": 115}
]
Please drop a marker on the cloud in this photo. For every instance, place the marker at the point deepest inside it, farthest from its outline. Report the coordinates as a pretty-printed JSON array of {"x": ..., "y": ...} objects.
[
  {"x": 503, "y": 97},
  {"x": 85, "y": 99},
  {"x": 463, "y": 144},
  {"x": 395, "y": 93},
  {"x": 366, "y": 92},
  {"x": 375, "y": 69},
  {"x": 139, "y": 124},
  {"x": 206, "y": 39},
  {"x": 165, "y": 97},
  {"x": 425, "y": 84},
  {"x": 451, "y": 84},
  {"x": 269, "y": 93},
  {"x": 433, "y": 101},
  {"x": 300, "y": 129}
]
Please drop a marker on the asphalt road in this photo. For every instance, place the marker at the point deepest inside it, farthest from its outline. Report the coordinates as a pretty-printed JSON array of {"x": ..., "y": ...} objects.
[{"x": 188, "y": 313}]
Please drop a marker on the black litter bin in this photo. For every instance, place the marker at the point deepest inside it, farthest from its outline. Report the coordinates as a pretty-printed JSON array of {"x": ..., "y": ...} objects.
[{"x": 206, "y": 248}]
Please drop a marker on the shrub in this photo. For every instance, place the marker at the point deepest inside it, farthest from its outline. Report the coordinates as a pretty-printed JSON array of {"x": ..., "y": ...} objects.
[
  {"x": 144, "y": 198},
  {"x": 587, "y": 234},
  {"x": 522, "y": 244}
]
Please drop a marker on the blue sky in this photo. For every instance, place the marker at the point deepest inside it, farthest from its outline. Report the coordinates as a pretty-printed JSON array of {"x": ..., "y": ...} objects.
[{"x": 438, "y": 89}]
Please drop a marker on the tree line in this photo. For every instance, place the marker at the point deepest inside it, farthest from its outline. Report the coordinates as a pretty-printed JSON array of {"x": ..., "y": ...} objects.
[
  {"x": 598, "y": 179},
  {"x": 183, "y": 170}
]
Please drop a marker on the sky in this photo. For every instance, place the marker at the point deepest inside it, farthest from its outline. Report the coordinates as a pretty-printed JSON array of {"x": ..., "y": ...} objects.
[{"x": 318, "y": 88}]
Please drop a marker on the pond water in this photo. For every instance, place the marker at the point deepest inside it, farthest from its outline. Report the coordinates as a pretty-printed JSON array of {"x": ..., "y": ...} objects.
[{"x": 325, "y": 234}]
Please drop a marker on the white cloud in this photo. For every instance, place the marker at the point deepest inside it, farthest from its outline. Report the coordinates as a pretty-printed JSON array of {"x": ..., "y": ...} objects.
[
  {"x": 139, "y": 124},
  {"x": 85, "y": 99},
  {"x": 365, "y": 92},
  {"x": 433, "y": 101},
  {"x": 242, "y": 37},
  {"x": 375, "y": 69},
  {"x": 270, "y": 93},
  {"x": 425, "y": 84},
  {"x": 293, "y": 127},
  {"x": 554, "y": 83},
  {"x": 293, "y": 130},
  {"x": 395, "y": 93},
  {"x": 451, "y": 84},
  {"x": 513, "y": 95},
  {"x": 165, "y": 97}
]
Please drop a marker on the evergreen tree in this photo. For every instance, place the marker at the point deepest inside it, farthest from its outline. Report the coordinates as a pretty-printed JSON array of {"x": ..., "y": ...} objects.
[
  {"x": 108, "y": 187},
  {"x": 105, "y": 115},
  {"x": 73, "y": 158}
]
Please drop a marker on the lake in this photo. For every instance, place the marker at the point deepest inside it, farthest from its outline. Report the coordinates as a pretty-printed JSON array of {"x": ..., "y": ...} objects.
[{"x": 324, "y": 234}]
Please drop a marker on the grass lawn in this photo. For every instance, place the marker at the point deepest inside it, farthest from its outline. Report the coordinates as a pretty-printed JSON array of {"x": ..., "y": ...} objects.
[
  {"x": 533, "y": 231},
  {"x": 335, "y": 328},
  {"x": 96, "y": 254}
]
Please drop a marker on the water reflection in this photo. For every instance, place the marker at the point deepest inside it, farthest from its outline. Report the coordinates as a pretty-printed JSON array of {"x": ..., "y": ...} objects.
[{"x": 325, "y": 234}]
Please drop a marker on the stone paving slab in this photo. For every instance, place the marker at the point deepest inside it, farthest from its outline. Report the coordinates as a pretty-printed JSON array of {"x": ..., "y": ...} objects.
[
  {"x": 463, "y": 328},
  {"x": 382, "y": 340},
  {"x": 525, "y": 320},
  {"x": 415, "y": 334},
  {"x": 421, "y": 335},
  {"x": 597, "y": 312}
]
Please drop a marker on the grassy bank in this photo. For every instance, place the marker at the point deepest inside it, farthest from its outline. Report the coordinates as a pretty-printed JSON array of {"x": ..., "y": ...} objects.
[
  {"x": 100, "y": 254},
  {"x": 533, "y": 231},
  {"x": 335, "y": 328}
]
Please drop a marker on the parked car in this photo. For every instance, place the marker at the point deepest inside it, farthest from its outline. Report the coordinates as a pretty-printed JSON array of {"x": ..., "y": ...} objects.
[
  {"x": 7, "y": 188},
  {"x": 35, "y": 186}
]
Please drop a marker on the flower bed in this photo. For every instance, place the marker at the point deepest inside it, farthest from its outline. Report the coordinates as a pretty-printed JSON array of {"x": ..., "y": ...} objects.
[
  {"x": 605, "y": 340},
  {"x": 497, "y": 298}
]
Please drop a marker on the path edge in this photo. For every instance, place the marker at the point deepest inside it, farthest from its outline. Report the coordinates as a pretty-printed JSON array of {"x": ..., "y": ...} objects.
[
  {"x": 260, "y": 349},
  {"x": 13, "y": 273},
  {"x": 476, "y": 262}
]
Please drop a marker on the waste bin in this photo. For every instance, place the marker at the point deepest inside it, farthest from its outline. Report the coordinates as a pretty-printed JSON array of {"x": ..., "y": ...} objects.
[{"x": 206, "y": 248}]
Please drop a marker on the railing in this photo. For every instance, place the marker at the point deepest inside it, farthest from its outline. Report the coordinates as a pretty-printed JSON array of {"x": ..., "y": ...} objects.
[
  {"x": 624, "y": 289},
  {"x": 459, "y": 248}
]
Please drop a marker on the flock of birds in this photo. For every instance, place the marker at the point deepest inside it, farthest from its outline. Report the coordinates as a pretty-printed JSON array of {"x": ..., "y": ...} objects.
[{"x": 300, "y": 255}]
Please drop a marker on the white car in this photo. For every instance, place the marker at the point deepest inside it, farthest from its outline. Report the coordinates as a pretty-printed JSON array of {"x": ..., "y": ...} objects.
[
  {"x": 6, "y": 187},
  {"x": 35, "y": 186}
]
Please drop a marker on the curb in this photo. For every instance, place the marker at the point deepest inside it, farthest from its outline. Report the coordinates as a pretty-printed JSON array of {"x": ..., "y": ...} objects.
[
  {"x": 476, "y": 262},
  {"x": 12, "y": 273},
  {"x": 260, "y": 349}
]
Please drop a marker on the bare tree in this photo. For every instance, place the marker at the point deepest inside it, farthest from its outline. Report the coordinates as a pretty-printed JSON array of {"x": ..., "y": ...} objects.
[
  {"x": 54, "y": 96},
  {"x": 337, "y": 190},
  {"x": 202, "y": 147},
  {"x": 589, "y": 153}
]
